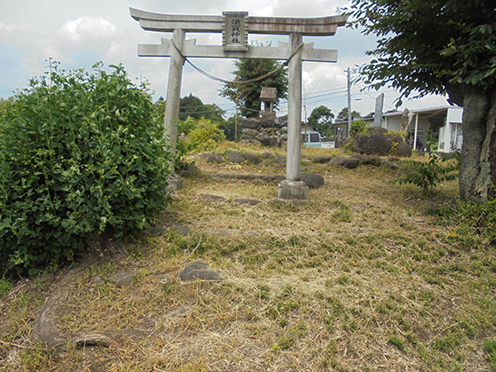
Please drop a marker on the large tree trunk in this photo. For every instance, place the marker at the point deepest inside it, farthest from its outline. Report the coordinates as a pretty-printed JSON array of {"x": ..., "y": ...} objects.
[{"x": 478, "y": 159}]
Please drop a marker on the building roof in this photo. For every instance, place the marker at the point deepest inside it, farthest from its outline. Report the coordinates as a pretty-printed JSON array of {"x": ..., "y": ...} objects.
[{"x": 429, "y": 111}]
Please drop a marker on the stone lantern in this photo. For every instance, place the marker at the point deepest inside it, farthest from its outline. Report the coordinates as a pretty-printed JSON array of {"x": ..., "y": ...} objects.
[{"x": 268, "y": 96}]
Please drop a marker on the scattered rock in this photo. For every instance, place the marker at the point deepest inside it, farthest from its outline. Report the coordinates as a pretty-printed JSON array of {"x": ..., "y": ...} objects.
[
  {"x": 349, "y": 163},
  {"x": 212, "y": 197},
  {"x": 321, "y": 158},
  {"x": 198, "y": 270},
  {"x": 205, "y": 155},
  {"x": 247, "y": 201},
  {"x": 266, "y": 155},
  {"x": 404, "y": 150},
  {"x": 368, "y": 160},
  {"x": 236, "y": 157},
  {"x": 45, "y": 326},
  {"x": 252, "y": 158},
  {"x": 280, "y": 159},
  {"x": 212, "y": 158},
  {"x": 92, "y": 340},
  {"x": 372, "y": 144},
  {"x": 122, "y": 279},
  {"x": 191, "y": 171},
  {"x": 312, "y": 180}
]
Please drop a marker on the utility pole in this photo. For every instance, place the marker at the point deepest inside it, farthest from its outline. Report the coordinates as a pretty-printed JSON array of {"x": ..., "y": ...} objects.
[
  {"x": 349, "y": 102},
  {"x": 306, "y": 124},
  {"x": 50, "y": 68}
]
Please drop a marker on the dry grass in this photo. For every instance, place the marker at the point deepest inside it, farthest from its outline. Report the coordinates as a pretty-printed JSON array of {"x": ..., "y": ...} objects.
[{"x": 360, "y": 279}]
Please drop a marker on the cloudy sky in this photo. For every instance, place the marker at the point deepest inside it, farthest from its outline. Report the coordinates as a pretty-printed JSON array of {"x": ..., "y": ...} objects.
[{"x": 78, "y": 33}]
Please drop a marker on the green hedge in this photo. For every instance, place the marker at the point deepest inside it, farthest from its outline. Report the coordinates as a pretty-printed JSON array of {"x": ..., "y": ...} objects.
[{"x": 79, "y": 153}]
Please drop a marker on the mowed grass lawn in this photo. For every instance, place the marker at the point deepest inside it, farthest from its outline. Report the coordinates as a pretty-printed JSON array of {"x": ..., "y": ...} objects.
[{"x": 362, "y": 278}]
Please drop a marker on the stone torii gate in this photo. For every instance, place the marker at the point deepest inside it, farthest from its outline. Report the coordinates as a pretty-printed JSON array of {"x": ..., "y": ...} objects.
[{"x": 235, "y": 27}]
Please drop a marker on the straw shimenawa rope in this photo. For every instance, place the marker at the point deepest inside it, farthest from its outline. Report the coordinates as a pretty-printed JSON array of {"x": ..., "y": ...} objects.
[{"x": 210, "y": 76}]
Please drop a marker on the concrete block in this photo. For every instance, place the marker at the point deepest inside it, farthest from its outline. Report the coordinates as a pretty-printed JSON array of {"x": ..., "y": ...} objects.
[{"x": 293, "y": 191}]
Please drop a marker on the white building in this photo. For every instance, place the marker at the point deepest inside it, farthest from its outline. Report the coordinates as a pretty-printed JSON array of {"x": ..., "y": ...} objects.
[{"x": 444, "y": 122}]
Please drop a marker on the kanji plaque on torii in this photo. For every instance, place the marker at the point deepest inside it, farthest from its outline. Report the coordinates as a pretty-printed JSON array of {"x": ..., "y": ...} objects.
[{"x": 235, "y": 27}]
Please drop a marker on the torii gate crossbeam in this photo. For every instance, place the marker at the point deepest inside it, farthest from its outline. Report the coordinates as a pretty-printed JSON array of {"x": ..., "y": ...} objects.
[{"x": 235, "y": 27}]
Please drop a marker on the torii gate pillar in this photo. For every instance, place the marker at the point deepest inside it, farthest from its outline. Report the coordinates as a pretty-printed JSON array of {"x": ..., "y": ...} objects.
[
  {"x": 292, "y": 188},
  {"x": 235, "y": 27},
  {"x": 174, "y": 88},
  {"x": 172, "y": 102}
]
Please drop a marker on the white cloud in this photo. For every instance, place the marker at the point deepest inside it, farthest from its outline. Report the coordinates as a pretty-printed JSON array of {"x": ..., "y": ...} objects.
[
  {"x": 88, "y": 31},
  {"x": 4, "y": 27},
  {"x": 266, "y": 11}
]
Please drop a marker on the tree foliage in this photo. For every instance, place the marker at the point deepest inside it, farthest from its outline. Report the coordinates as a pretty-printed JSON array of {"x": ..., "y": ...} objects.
[
  {"x": 321, "y": 119},
  {"x": 441, "y": 46},
  {"x": 192, "y": 106},
  {"x": 426, "y": 46},
  {"x": 343, "y": 114},
  {"x": 248, "y": 95},
  {"x": 79, "y": 153}
]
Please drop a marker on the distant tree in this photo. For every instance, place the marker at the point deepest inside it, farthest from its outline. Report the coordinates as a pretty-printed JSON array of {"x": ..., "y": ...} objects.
[
  {"x": 343, "y": 114},
  {"x": 248, "y": 95},
  {"x": 215, "y": 113},
  {"x": 441, "y": 46},
  {"x": 321, "y": 119},
  {"x": 193, "y": 106},
  {"x": 229, "y": 128}
]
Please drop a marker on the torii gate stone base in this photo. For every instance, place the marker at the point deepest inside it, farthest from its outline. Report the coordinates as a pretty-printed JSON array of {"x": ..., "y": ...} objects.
[{"x": 235, "y": 27}]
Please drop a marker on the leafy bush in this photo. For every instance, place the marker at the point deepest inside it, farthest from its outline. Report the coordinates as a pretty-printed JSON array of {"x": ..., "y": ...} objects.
[
  {"x": 429, "y": 174},
  {"x": 205, "y": 135},
  {"x": 358, "y": 127},
  {"x": 79, "y": 153}
]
